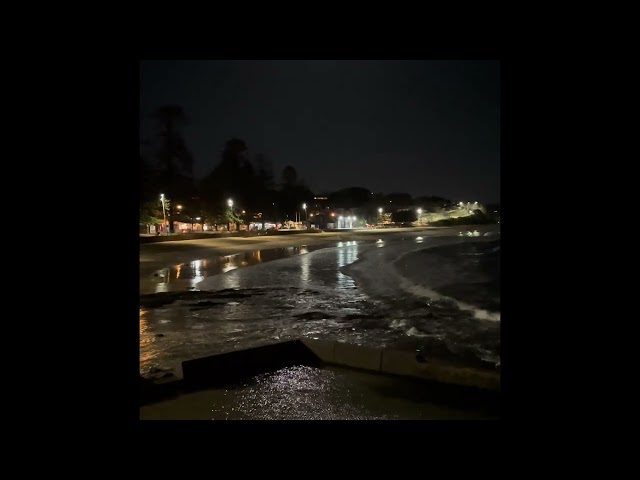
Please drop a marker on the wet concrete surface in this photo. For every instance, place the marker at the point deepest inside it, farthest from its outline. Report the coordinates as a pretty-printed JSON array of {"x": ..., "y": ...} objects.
[{"x": 328, "y": 393}]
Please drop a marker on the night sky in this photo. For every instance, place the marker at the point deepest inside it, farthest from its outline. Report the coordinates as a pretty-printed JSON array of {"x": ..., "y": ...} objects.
[{"x": 420, "y": 127}]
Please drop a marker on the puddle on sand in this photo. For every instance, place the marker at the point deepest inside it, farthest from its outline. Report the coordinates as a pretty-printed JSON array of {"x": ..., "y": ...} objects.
[{"x": 186, "y": 276}]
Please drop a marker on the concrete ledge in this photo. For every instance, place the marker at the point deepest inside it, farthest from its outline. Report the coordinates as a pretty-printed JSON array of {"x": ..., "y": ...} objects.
[
  {"x": 403, "y": 363},
  {"x": 233, "y": 366},
  {"x": 236, "y": 365},
  {"x": 398, "y": 362},
  {"x": 323, "y": 349},
  {"x": 355, "y": 356}
]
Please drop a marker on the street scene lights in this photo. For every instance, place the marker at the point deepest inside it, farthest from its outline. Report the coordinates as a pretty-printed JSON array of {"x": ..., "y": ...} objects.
[
  {"x": 230, "y": 203},
  {"x": 304, "y": 207},
  {"x": 164, "y": 215},
  {"x": 380, "y": 211}
]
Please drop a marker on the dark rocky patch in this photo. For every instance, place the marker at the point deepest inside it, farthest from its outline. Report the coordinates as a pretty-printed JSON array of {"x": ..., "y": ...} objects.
[
  {"x": 315, "y": 315},
  {"x": 206, "y": 304}
]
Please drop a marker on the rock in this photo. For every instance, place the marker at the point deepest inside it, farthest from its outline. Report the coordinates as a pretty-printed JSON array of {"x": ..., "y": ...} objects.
[{"x": 315, "y": 315}]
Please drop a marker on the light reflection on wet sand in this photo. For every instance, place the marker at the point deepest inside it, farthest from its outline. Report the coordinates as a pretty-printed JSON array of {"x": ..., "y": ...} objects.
[{"x": 186, "y": 276}]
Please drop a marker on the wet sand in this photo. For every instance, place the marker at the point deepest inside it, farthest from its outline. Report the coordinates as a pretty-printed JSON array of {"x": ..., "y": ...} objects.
[
  {"x": 246, "y": 300},
  {"x": 166, "y": 254}
]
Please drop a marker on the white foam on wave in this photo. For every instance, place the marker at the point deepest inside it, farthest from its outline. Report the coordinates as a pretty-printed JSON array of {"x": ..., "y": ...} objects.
[
  {"x": 398, "y": 324},
  {"x": 414, "y": 332},
  {"x": 422, "y": 291}
]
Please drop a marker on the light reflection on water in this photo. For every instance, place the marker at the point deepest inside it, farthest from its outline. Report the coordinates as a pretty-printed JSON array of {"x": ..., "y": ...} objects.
[
  {"x": 145, "y": 339},
  {"x": 304, "y": 268},
  {"x": 347, "y": 253},
  {"x": 187, "y": 275}
]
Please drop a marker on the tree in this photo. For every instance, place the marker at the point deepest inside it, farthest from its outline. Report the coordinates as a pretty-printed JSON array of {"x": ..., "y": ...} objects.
[
  {"x": 404, "y": 216},
  {"x": 264, "y": 172},
  {"x": 175, "y": 162},
  {"x": 289, "y": 176},
  {"x": 225, "y": 179},
  {"x": 151, "y": 213},
  {"x": 264, "y": 191},
  {"x": 293, "y": 193}
]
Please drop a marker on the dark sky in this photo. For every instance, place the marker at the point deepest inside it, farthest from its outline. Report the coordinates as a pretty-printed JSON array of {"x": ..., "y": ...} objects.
[{"x": 421, "y": 127}]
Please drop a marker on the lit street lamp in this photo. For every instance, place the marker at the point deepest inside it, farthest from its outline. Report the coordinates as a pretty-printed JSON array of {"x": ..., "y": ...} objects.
[
  {"x": 164, "y": 215},
  {"x": 230, "y": 203},
  {"x": 304, "y": 207}
]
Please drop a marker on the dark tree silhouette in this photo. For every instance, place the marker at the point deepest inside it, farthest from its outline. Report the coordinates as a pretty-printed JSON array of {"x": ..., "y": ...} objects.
[
  {"x": 404, "y": 216},
  {"x": 175, "y": 161},
  {"x": 289, "y": 176},
  {"x": 293, "y": 193},
  {"x": 233, "y": 177}
]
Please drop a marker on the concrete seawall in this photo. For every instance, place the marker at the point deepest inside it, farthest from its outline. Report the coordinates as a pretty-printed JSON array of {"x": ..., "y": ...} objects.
[{"x": 235, "y": 365}]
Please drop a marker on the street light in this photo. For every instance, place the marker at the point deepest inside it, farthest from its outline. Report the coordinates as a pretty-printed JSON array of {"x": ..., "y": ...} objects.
[
  {"x": 419, "y": 211},
  {"x": 304, "y": 207},
  {"x": 179, "y": 207},
  {"x": 380, "y": 211},
  {"x": 164, "y": 215},
  {"x": 230, "y": 203}
]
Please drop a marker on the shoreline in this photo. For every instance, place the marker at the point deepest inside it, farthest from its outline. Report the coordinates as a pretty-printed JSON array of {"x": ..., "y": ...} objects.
[{"x": 156, "y": 256}]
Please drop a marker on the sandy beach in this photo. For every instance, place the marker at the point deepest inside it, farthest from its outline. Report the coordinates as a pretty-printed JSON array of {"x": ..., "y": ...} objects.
[{"x": 162, "y": 255}]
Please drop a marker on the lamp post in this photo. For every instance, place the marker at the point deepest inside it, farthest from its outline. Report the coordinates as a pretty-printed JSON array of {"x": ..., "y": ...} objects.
[
  {"x": 164, "y": 215},
  {"x": 419, "y": 213},
  {"x": 230, "y": 203},
  {"x": 304, "y": 207}
]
